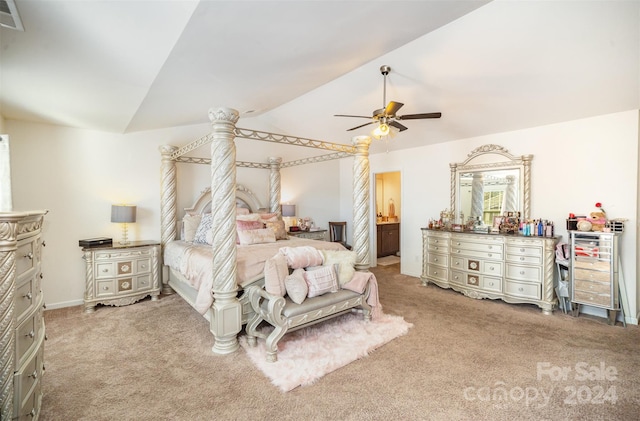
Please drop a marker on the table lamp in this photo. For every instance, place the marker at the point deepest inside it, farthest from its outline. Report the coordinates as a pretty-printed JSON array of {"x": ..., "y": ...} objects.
[{"x": 123, "y": 214}]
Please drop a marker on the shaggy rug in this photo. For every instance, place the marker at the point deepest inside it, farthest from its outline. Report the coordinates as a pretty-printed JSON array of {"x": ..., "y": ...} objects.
[{"x": 307, "y": 354}]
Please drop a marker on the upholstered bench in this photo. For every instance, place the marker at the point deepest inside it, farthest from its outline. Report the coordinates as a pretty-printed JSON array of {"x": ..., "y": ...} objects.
[{"x": 286, "y": 316}]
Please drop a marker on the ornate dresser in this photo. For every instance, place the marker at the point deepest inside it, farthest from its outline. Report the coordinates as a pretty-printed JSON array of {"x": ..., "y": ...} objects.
[
  {"x": 511, "y": 268},
  {"x": 22, "y": 330}
]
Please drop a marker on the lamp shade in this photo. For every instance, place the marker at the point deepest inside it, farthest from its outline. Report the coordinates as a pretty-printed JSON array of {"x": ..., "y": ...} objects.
[
  {"x": 123, "y": 213},
  {"x": 288, "y": 210}
]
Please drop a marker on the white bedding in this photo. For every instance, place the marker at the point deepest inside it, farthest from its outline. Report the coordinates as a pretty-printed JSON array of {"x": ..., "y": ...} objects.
[{"x": 194, "y": 262}]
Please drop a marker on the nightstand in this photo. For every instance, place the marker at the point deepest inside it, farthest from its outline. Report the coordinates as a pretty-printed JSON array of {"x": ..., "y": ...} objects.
[
  {"x": 312, "y": 235},
  {"x": 119, "y": 274}
]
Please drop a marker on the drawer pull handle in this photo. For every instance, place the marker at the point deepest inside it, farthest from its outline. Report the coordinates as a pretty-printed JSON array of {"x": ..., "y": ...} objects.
[
  {"x": 490, "y": 247},
  {"x": 490, "y": 255},
  {"x": 492, "y": 268},
  {"x": 522, "y": 272},
  {"x": 27, "y": 295},
  {"x": 521, "y": 289},
  {"x": 522, "y": 258},
  {"x": 105, "y": 270},
  {"x": 32, "y": 413},
  {"x": 457, "y": 263},
  {"x": 436, "y": 241},
  {"x": 29, "y": 256},
  {"x": 435, "y": 248},
  {"x": 105, "y": 288},
  {"x": 522, "y": 250},
  {"x": 41, "y": 275},
  {"x": 31, "y": 334},
  {"x": 455, "y": 277},
  {"x": 144, "y": 266},
  {"x": 34, "y": 374},
  {"x": 435, "y": 260}
]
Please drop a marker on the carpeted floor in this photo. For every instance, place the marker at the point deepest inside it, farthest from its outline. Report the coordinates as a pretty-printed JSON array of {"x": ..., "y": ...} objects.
[
  {"x": 388, "y": 260},
  {"x": 464, "y": 359}
]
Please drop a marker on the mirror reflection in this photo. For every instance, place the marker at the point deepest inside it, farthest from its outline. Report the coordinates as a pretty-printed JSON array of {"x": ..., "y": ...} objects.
[{"x": 487, "y": 194}]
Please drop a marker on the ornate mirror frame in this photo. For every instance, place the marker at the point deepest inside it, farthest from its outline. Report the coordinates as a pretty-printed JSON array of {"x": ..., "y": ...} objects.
[{"x": 494, "y": 157}]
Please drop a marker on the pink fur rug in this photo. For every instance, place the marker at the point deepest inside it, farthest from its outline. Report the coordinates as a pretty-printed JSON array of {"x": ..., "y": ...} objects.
[{"x": 306, "y": 355}]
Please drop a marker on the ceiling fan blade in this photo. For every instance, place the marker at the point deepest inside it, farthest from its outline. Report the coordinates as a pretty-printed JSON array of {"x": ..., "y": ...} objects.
[
  {"x": 419, "y": 116},
  {"x": 347, "y": 115},
  {"x": 398, "y": 126},
  {"x": 392, "y": 108},
  {"x": 362, "y": 125}
]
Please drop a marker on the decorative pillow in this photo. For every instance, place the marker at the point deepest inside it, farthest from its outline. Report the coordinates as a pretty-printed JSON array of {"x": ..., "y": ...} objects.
[
  {"x": 248, "y": 217},
  {"x": 346, "y": 259},
  {"x": 257, "y": 236},
  {"x": 242, "y": 225},
  {"x": 296, "y": 286},
  {"x": 270, "y": 217},
  {"x": 302, "y": 257},
  {"x": 278, "y": 229},
  {"x": 204, "y": 235},
  {"x": 275, "y": 272},
  {"x": 190, "y": 225},
  {"x": 321, "y": 281},
  {"x": 242, "y": 211}
]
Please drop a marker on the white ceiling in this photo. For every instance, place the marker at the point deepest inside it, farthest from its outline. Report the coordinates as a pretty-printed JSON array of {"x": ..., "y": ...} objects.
[{"x": 127, "y": 66}]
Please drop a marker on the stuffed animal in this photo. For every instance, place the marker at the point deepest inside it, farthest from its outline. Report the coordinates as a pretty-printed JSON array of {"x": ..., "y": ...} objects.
[{"x": 598, "y": 221}]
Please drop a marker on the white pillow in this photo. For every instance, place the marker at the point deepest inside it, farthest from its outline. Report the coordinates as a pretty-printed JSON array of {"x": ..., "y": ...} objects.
[
  {"x": 275, "y": 272},
  {"x": 346, "y": 260},
  {"x": 256, "y": 236},
  {"x": 204, "y": 233},
  {"x": 296, "y": 286},
  {"x": 321, "y": 280},
  {"x": 190, "y": 226}
]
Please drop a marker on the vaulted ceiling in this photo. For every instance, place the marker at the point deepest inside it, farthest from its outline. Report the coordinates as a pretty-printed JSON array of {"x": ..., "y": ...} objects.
[{"x": 488, "y": 66}]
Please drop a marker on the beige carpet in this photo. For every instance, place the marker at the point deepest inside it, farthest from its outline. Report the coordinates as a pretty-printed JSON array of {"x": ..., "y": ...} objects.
[
  {"x": 463, "y": 359},
  {"x": 306, "y": 355},
  {"x": 387, "y": 260}
]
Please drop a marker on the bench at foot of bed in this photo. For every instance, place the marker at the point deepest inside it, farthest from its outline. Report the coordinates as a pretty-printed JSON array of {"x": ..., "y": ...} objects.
[{"x": 286, "y": 316}]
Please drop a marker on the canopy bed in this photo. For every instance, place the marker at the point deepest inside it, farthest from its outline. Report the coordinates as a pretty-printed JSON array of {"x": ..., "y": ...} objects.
[{"x": 233, "y": 266}]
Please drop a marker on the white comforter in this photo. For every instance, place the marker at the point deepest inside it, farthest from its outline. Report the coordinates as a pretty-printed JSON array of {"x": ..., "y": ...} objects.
[{"x": 194, "y": 262}]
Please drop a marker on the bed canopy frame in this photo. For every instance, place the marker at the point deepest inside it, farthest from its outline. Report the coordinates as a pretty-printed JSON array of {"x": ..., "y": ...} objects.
[{"x": 225, "y": 313}]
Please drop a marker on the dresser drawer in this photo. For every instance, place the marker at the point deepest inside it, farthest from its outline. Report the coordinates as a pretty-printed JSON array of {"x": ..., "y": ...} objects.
[
  {"x": 524, "y": 250},
  {"x": 458, "y": 277},
  {"x": 25, "y": 298},
  {"x": 438, "y": 272},
  {"x": 25, "y": 257},
  {"x": 592, "y": 275},
  {"x": 471, "y": 246},
  {"x": 495, "y": 255},
  {"x": 143, "y": 265},
  {"x": 30, "y": 409},
  {"x": 143, "y": 282},
  {"x": 592, "y": 264},
  {"x": 438, "y": 241},
  {"x": 105, "y": 288},
  {"x": 105, "y": 270},
  {"x": 520, "y": 289},
  {"x": 592, "y": 298},
  {"x": 438, "y": 248},
  {"x": 28, "y": 333},
  {"x": 526, "y": 259},
  {"x": 589, "y": 286},
  {"x": 523, "y": 273},
  {"x": 492, "y": 284},
  {"x": 27, "y": 379},
  {"x": 438, "y": 259}
]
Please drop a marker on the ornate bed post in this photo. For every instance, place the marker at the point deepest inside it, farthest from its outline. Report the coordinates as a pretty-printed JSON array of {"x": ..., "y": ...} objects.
[
  {"x": 361, "y": 202},
  {"x": 226, "y": 312},
  {"x": 274, "y": 185},
  {"x": 168, "y": 206},
  {"x": 526, "y": 161}
]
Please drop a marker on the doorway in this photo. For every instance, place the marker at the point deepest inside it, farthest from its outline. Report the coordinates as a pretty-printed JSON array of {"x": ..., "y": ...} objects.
[{"x": 388, "y": 210}]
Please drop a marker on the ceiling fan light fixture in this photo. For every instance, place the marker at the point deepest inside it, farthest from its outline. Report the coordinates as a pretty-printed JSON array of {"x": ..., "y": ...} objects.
[{"x": 381, "y": 130}]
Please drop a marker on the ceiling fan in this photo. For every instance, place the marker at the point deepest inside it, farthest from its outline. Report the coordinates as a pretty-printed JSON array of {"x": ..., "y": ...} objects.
[{"x": 386, "y": 116}]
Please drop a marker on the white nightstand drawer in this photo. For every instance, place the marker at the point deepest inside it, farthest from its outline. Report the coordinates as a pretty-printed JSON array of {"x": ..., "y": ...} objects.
[
  {"x": 105, "y": 288},
  {"x": 143, "y": 282},
  {"x": 438, "y": 260},
  {"x": 143, "y": 265},
  {"x": 105, "y": 270},
  {"x": 25, "y": 258}
]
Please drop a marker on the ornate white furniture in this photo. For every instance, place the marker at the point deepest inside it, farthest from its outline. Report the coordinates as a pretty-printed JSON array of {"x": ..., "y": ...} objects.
[
  {"x": 593, "y": 267},
  {"x": 511, "y": 268},
  {"x": 22, "y": 331},
  {"x": 312, "y": 235},
  {"x": 121, "y": 274}
]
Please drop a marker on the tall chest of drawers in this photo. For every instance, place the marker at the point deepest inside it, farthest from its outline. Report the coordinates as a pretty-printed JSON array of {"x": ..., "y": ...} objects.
[
  {"x": 512, "y": 268},
  {"x": 594, "y": 271},
  {"x": 22, "y": 330}
]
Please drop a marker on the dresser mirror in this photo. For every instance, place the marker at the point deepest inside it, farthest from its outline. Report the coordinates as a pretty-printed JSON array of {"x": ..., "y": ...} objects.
[{"x": 489, "y": 183}]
